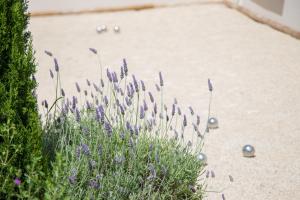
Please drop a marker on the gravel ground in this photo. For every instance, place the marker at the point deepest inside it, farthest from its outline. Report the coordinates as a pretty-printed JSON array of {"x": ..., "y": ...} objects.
[{"x": 255, "y": 71}]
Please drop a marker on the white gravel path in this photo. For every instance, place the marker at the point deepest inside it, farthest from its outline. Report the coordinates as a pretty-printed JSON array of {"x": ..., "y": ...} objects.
[{"x": 255, "y": 71}]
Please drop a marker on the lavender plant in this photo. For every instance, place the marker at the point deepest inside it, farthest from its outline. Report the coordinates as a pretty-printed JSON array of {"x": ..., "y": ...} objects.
[{"x": 118, "y": 145}]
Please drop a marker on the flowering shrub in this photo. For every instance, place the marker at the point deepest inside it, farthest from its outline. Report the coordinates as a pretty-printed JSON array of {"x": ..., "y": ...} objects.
[{"x": 115, "y": 141}]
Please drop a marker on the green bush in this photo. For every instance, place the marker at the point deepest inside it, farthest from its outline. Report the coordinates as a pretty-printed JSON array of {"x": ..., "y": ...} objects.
[
  {"x": 115, "y": 141},
  {"x": 21, "y": 164}
]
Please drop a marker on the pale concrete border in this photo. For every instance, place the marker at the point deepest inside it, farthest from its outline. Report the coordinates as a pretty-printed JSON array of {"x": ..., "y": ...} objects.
[{"x": 264, "y": 20}]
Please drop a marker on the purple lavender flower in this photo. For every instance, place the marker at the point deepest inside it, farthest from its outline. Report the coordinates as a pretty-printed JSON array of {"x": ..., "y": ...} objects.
[
  {"x": 131, "y": 89},
  {"x": 178, "y": 111},
  {"x": 128, "y": 101},
  {"x": 94, "y": 184},
  {"x": 48, "y": 53},
  {"x": 74, "y": 102},
  {"x": 96, "y": 87},
  {"x": 62, "y": 92},
  {"x": 122, "y": 110},
  {"x": 56, "y": 65},
  {"x": 102, "y": 83},
  {"x": 198, "y": 120},
  {"x": 85, "y": 149},
  {"x": 142, "y": 112},
  {"x": 114, "y": 77},
  {"x": 145, "y": 106},
  {"x": 72, "y": 179},
  {"x": 143, "y": 86},
  {"x": 88, "y": 82},
  {"x": 105, "y": 100},
  {"x": 108, "y": 128},
  {"x": 157, "y": 87},
  {"x": 93, "y": 50},
  {"x": 151, "y": 97},
  {"x": 155, "y": 108},
  {"x": 77, "y": 87},
  {"x": 184, "y": 121},
  {"x": 223, "y": 197},
  {"x": 195, "y": 127},
  {"x": 173, "y": 110},
  {"x": 207, "y": 174},
  {"x": 77, "y": 115},
  {"x": 125, "y": 67},
  {"x": 122, "y": 73},
  {"x": 136, "y": 86},
  {"x": 152, "y": 171},
  {"x": 17, "y": 181},
  {"x": 161, "y": 81},
  {"x": 51, "y": 73},
  {"x": 191, "y": 110},
  {"x": 109, "y": 76},
  {"x": 210, "y": 87},
  {"x": 121, "y": 92},
  {"x": 88, "y": 105}
]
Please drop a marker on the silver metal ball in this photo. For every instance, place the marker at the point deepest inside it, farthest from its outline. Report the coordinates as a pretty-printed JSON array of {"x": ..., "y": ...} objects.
[
  {"x": 99, "y": 29},
  {"x": 104, "y": 28},
  {"x": 202, "y": 158},
  {"x": 248, "y": 151},
  {"x": 117, "y": 29},
  {"x": 212, "y": 123}
]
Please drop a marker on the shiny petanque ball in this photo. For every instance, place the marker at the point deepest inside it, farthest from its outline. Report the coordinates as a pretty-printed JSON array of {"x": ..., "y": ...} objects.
[
  {"x": 248, "y": 151},
  {"x": 104, "y": 28},
  {"x": 202, "y": 158},
  {"x": 212, "y": 123},
  {"x": 99, "y": 29},
  {"x": 117, "y": 29}
]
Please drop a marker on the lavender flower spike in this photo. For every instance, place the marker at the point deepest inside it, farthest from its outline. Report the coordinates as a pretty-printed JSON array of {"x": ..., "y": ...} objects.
[
  {"x": 173, "y": 110},
  {"x": 48, "y": 53},
  {"x": 151, "y": 97},
  {"x": 136, "y": 86},
  {"x": 210, "y": 87},
  {"x": 143, "y": 85},
  {"x": 191, "y": 110},
  {"x": 184, "y": 121},
  {"x": 93, "y": 50},
  {"x": 157, "y": 87},
  {"x": 142, "y": 113},
  {"x": 77, "y": 115},
  {"x": 51, "y": 74},
  {"x": 161, "y": 81},
  {"x": 122, "y": 73},
  {"x": 62, "y": 92},
  {"x": 77, "y": 87},
  {"x": 125, "y": 67},
  {"x": 56, "y": 65}
]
